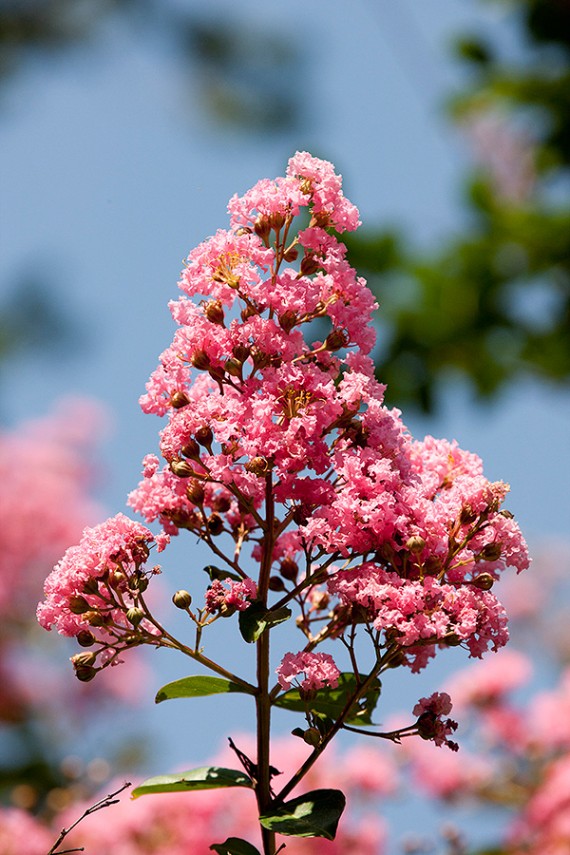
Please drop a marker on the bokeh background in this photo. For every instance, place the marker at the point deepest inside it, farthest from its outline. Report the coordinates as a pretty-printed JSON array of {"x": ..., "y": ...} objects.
[{"x": 126, "y": 126}]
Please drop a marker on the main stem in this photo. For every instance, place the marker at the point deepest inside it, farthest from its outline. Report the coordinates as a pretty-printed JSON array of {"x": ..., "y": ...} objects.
[{"x": 263, "y": 701}]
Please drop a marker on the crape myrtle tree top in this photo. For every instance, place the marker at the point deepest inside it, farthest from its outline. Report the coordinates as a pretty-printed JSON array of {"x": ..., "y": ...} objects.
[{"x": 281, "y": 456}]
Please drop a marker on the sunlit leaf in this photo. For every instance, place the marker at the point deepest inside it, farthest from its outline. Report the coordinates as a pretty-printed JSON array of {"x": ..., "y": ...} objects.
[{"x": 204, "y": 778}]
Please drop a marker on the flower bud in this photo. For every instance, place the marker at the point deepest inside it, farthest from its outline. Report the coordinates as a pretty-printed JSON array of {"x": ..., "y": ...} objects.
[
  {"x": 309, "y": 265},
  {"x": 257, "y": 466},
  {"x": 312, "y": 736},
  {"x": 233, "y": 367},
  {"x": 91, "y": 586},
  {"x": 214, "y": 312},
  {"x": 191, "y": 449},
  {"x": 200, "y": 360},
  {"x": 181, "y": 468},
  {"x": 241, "y": 352},
  {"x": 85, "y": 673},
  {"x": 94, "y": 618},
  {"x": 262, "y": 227},
  {"x": 277, "y": 220},
  {"x": 291, "y": 254},
  {"x": 432, "y": 565},
  {"x": 215, "y": 524},
  {"x": 204, "y": 436},
  {"x": 134, "y": 615},
  {"x": 221, "y": 504},
  {"x": 138, "y": 582},
  {"x": 467, "y": 515},
  {"x": 178, "y": 400},
  {"x": 289, "y": 569},
  {"x": 182, "y": 599},
  {"x": 276, "y": 584},
  {"x": 336, "y": 339},
  {"x": 415, "y": 544},
  {"x": 491, "y": 552},
  {"x": 484, "y": 581},
  {"x": 288, "y": 320},
  {"x": 84, "y": 658},
  {"x": 248, "y": 312},
  {"x": 85, "y": 638},
  {"x": 195, "y": 492},
  {"x": 78, "y": 605}
]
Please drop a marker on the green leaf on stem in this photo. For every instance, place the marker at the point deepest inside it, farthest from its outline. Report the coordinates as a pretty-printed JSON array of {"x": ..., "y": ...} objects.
[
  {"x": 331, "y": 702},
  {"x": 234, "y": 846},
  {"x": 204, "y": 778},
  {"x": 197, "y": 687},
  {"x": 316, "y": 814},
  {"x": 254, "y": 620},
  {"x": 217, "y": 573}
]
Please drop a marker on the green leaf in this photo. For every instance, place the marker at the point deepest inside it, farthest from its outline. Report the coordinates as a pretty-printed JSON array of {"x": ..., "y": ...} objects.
[
  {"x": 217, "y": 573},
  {"x": 254, "y": 620},
  {"x": 330, "y": 702},
  {"x": 234, "y": 846},
  {"x": 204, "y": 778},
  {"x": 197, "y": 687},
  {"x": 316, "y": 814}
]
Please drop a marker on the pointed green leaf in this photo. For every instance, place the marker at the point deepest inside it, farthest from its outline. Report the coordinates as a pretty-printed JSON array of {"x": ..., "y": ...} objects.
[
  {"x": 234, "y": 846},
  {"x": 204, "y": 778},
  {"x": 196, "y": 687},
  {"x": 330, "y": 702},
  {"x": 316, "y": 814},
  {"x": 254, "y": 620}
]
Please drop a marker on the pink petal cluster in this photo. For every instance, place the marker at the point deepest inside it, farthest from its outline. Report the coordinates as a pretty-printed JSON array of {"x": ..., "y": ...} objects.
[
  {"x": 430, "y": 723},
  {"x": 90, "y": 592},
  {"x": 222, "y": 597},
  {"x": 319, "y": 669}
]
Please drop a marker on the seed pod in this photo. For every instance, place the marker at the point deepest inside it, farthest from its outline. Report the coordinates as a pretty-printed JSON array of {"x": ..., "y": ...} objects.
[
  {"x": 221, "y": 504},
  {"x": 291, "y": 254},
  {"x": 276, "y": 584},
  {"x": 467, "y": 515},
  {"x": 91, "y": 586},
  {"x": 262, "y": 227}
]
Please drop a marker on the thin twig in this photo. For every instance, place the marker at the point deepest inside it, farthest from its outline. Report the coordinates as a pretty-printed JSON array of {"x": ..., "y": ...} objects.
[{"x": 102, "y": 803}]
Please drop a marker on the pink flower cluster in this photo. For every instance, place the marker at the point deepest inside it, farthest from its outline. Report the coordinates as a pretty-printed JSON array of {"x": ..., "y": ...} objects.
[
  {"x": 430, "y": 723},
  {"x": 231, "y": 596},
  {"x": 93, "y": 591},
  {"x": 319, "y": 670}
]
